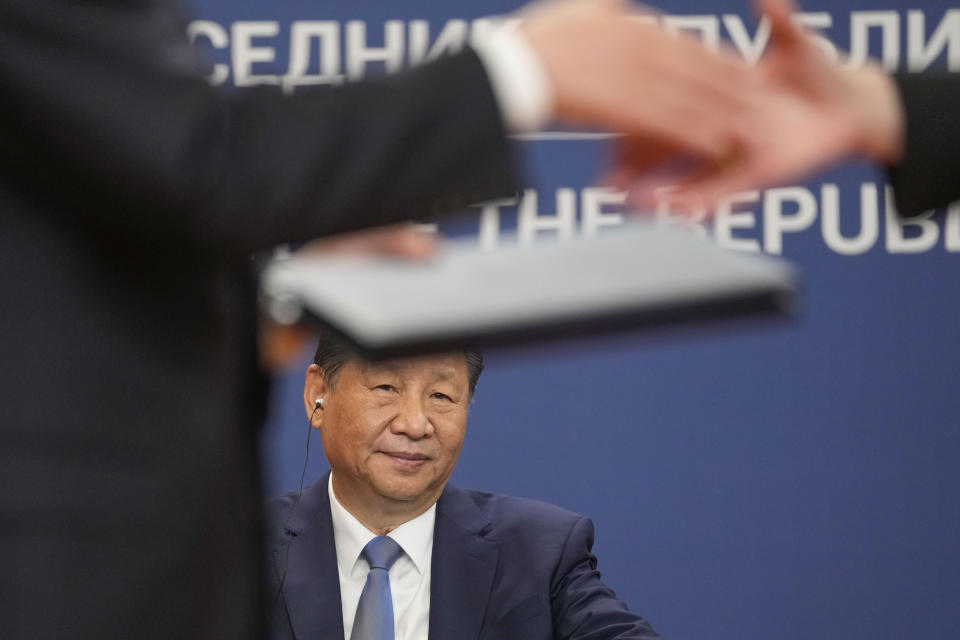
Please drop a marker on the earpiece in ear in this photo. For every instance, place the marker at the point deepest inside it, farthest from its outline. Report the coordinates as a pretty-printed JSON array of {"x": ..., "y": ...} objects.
[{"x": 319, "y": 404}]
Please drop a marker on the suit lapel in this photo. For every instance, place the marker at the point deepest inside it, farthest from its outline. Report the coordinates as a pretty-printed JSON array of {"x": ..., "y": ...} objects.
[
  {"x": 463, "y": 567},
  {"x": 311, "y": 588}
]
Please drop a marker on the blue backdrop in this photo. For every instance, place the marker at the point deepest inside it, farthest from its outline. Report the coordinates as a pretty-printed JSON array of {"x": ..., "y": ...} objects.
[{"x": 787, "y": 480}]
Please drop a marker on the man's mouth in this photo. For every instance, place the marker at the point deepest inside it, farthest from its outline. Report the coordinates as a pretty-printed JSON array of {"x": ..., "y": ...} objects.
[{"x": 406, "y": 459}]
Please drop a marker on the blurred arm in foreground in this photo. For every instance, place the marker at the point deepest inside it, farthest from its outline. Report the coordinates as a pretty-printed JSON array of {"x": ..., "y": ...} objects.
[{"x": 596, "y": 63}]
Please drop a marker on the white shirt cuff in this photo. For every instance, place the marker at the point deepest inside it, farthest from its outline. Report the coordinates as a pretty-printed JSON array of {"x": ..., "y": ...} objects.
[{"x": 520, "y": 83}]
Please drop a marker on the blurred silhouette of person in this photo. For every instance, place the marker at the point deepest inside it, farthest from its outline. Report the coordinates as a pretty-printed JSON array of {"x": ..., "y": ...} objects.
[{"x": 132, "y": 194}]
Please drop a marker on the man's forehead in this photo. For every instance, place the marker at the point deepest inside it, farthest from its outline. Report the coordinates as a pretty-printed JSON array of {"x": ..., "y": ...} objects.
[{"x": 443, "y": 366}]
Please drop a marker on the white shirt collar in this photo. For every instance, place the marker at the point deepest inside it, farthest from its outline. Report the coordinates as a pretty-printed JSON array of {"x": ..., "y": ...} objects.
[{"x": 414, "y": 536}]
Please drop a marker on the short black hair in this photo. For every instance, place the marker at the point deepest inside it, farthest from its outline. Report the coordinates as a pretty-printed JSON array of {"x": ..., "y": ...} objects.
[{"x": 332, "y": 354}]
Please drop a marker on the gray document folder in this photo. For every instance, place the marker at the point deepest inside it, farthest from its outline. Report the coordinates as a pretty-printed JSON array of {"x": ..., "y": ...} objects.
[{"x": 631, "y": 277}]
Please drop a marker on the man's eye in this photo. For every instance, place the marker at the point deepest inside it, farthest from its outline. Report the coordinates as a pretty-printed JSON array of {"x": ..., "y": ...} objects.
[
  {"x": 442, "y": 396},
  {"x": 385, "y": 387}
]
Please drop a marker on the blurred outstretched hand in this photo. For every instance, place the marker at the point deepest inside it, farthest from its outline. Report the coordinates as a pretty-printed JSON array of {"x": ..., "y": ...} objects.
[
  {"x": 612, "y": 66},
  {"x": 803, "y": 113}
]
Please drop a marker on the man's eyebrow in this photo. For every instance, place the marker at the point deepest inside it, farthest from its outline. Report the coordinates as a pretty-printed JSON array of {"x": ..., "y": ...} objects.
[{"x": 451, "y": 375}]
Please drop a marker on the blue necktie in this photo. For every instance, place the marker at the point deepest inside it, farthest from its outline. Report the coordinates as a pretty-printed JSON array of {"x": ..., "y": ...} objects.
[{"x": 374, "y": 619}]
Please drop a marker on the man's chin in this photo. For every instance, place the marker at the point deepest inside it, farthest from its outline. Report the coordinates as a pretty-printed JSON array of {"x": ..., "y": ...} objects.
[{"x": 407, "y": 489}]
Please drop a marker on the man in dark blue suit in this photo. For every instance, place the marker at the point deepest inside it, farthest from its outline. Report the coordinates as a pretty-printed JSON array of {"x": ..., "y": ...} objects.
[{"x": 468, "y": 564}]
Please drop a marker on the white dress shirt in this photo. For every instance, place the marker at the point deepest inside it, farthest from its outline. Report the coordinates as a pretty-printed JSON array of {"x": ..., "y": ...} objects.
[
  {"x": 520, "y": 82},
  {"x": 409, "y": 575}
]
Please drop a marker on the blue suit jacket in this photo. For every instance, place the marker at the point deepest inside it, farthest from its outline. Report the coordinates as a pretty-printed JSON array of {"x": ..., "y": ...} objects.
[{"x": 503, "y": 567}]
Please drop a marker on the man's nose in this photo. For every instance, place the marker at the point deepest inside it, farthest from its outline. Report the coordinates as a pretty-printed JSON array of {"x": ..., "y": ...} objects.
[{"x": 411, "y": 419}]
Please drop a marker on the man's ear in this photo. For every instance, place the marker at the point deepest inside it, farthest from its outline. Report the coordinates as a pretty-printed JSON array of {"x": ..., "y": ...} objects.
[{"x": 315, "y": 388}]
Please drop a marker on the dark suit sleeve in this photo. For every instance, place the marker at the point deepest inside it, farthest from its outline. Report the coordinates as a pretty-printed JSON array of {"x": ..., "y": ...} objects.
[
  {"x": 583, "y": 607},
  {"x": 927, "y": 177},
  {"x": 106, "y": 112}
]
